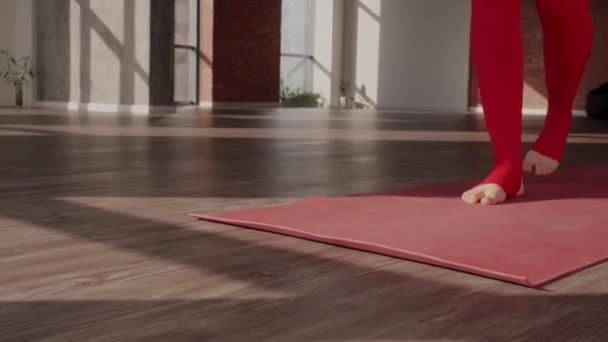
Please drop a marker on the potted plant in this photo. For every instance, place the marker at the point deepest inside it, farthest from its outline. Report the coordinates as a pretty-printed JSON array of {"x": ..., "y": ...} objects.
[
  {"x": 17, "y": 73},
  {"x": 347, "y": 99},
  {"x": 297, "y": 98}
]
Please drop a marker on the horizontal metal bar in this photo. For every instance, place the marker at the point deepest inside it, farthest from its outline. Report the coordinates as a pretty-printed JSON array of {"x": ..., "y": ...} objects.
[
  {"x": 185, "y": 47},
  {"x": 297, "y": 55}
]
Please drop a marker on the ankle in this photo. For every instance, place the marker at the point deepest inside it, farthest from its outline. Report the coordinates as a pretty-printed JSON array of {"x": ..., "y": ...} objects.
[
  {"x": 551, "y": 142},
  {"x": 554, "y": 152},
  {"x": 508, "y": 175}
]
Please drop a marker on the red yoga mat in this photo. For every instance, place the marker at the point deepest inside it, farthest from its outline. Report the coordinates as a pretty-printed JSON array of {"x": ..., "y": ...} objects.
[{"x": 559, "y": 227}]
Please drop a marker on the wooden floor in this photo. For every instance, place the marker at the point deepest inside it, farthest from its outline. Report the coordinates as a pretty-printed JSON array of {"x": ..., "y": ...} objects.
[{"x": 96, "y": 244}]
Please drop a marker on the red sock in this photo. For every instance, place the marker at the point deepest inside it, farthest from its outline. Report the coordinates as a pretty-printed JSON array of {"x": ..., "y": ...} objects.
[
  {"x": 498, "y": 60},
  {"x": 568, "y": 34}
]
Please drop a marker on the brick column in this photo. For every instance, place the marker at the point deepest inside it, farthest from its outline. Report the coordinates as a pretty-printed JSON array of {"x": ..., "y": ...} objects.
[{"x": 246, "y": 50}]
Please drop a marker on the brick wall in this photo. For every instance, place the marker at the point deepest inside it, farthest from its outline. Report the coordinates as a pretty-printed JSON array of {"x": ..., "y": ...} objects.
[
  {"x": 535, "y": 89},
  {"x": 246, "y": 50}
]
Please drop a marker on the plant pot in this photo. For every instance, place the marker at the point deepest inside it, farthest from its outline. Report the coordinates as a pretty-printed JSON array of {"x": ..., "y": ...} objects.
[
  {"x": 19, "y": 97},
  {"x": 350, "y": 103}
]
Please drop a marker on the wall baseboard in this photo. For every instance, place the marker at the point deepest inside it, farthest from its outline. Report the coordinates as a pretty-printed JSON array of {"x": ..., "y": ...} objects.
[
  {"x": 106, "y": 108},
  {"x": 240, "y": 105},
  {"x": 531, "y": 111},
  {"x": 146, "y": 109},
  {"x": 275, "y": 105}
]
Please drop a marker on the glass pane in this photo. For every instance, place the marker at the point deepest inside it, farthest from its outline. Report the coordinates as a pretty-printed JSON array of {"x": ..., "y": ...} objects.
[
  {"x": 296, "y": 26},
  {"x": 185, "y": 68},
  {"x": 296, "y": 73},
  {"x": 182, "y": 22},
  {"x": 297, "y": 39},
  {"x": 182, "y": 76}
]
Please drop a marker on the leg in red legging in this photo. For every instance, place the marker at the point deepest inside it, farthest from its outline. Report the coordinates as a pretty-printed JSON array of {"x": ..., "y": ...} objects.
[
  {"x": 498, "y": 61},
  {"x": 568, "y": 34}
]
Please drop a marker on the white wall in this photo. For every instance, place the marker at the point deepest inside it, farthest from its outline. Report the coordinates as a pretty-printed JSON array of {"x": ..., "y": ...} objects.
[
  {"x": 16, "y": 37},
  {"x": 327, "y": 49},
  {"x": 113, "y": 52},
  {"x": 408, "y": 54},
  {"x": 7, "y": 42},
  {"x": 24, "y": 40}
]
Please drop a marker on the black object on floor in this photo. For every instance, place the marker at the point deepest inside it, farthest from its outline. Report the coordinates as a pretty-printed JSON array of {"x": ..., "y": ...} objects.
[{"x": 597, "y": 102}]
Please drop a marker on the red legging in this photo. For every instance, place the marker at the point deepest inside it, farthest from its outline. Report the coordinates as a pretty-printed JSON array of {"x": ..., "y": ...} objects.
[{"x": 498, "y": 61}]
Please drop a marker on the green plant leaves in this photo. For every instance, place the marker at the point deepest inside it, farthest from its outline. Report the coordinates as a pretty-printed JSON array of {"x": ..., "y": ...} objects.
[
  {"x": 16, "y": 72},
  {"x": 298, "y": 98}
]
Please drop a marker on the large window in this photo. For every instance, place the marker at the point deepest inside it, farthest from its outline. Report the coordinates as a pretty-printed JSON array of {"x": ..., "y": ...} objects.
[
  {"x": 186, "y": 47},
  {"x": 297, "y": 44}
]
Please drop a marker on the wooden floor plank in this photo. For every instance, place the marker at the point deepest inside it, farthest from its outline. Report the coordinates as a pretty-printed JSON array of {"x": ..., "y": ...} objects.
[{"x": 97, "y": 245}]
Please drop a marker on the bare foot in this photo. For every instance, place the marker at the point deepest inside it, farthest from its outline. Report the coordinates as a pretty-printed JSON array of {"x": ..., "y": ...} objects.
[
  {"x": 539, "y": 164},
  {"x": 488, "y": 194}
]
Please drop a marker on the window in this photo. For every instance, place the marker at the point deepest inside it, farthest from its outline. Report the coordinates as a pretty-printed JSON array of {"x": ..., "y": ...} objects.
[
  {"x": 186, "y": 48},
  {"x": 297, "y": 44}
]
